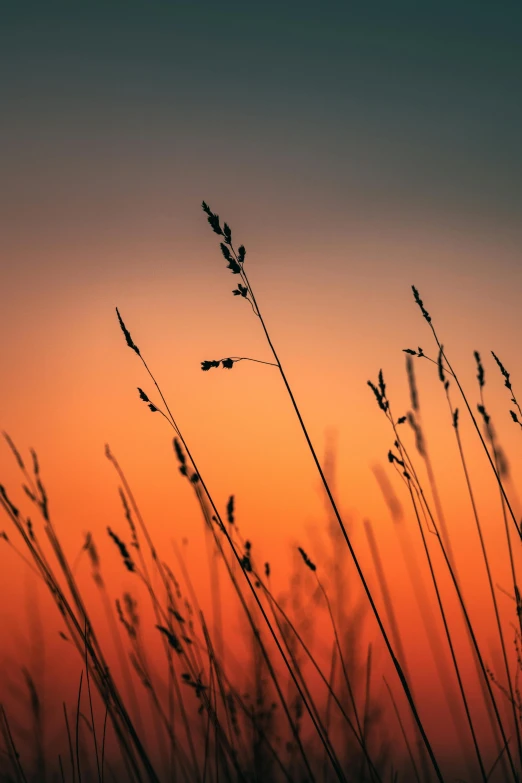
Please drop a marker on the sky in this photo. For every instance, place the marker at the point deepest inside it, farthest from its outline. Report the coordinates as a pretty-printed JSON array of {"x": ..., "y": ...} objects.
[{"x": 354, "y": 149}]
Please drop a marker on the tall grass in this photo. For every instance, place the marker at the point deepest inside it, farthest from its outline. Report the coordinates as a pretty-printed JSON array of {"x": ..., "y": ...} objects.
[{"x": 305, "y": 698}]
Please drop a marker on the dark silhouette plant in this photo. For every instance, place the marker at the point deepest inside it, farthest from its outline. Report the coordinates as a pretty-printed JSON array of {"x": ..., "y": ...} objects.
[
  {"x": 244, "y": 561},
  {"x": 236, "y": 263},
  {"x": 445, "y": 366},
  {"x": 508, "y": 385}
]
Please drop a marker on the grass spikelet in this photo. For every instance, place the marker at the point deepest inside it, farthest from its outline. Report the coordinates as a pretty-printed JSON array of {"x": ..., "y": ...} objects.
[
  {"x": 419, "y": 301},
  {"x": 309, "y": 564},
  {"x": 124, "y": 552},
  {"x": 230, "y": 510},
  {"x": 15, "y": 451},
  {"x": 480, "y": 370},
  {"x": 412, "y": 382},
  {"x": 128, "y": 339}
]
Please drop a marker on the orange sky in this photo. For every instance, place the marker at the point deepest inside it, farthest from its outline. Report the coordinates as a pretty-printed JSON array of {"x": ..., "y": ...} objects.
[
  {"x": 72, "y": 388},
  {"x": 102, "y": 209}
]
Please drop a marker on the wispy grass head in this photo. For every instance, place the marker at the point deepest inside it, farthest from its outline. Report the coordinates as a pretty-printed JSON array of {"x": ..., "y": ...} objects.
[
  {"x": 235, "y": 259},
  {"x": 419, "y": 301},
  {"x": 213, "y": 219},
  {"x": 485, "y": 415},
  {"x": 412, "y": 383},
  {"x": 306, "y": 559},
  {"x": 246, "y": 560},
  {"x": 128, "y": 338},
  {"x": 380, "y": 393},
  {"x": 172, "y": 639},
  {"x": 419, "y": 352},
  {"x": 90, "y": 547},
  {"x": 480, "y": 369},
  {"x": 241, "y": 290},
  {"x": 392, "y": 458},
  {"x": 233, "y": 265},
  {"x": 12, "y": 508},
  {"x": 440, "y": 365},
  {"x": 507, "y": 381},
  {"x": 507, "y": 384},
  {"x": 181, "y": 457},
  {"x": 15, "y": 451},
  {"x": 227, "y": 364},
  {"x": 419, "y": 438},
  {"x": 124, "y": 552},
  {"x": 230, "y": 510},
  {"x": 144, "y": 397}
]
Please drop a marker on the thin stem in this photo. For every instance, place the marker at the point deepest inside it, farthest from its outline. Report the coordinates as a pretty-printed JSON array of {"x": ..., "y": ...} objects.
[
  {"x": 248, "y": 359},
  {"x": 71, "y": 753},
  {"x": 488, "y": 569},
  {"x": 251, "y": 586},
  {"x": 90, "y": 705},
  {"x": 420, "y": 493},
  {"x": 408, "y": 747},
  {"x": 475, "y": 424},
  {"x": 78, "y": 730},
  {"x": 366, "y": 588}
]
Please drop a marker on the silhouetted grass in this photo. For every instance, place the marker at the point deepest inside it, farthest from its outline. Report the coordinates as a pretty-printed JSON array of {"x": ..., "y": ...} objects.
[{"x": 304, "y": 703}]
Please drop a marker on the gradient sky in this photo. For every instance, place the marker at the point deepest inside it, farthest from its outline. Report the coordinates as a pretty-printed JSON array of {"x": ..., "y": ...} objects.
[{"x": 355, "y": 149}]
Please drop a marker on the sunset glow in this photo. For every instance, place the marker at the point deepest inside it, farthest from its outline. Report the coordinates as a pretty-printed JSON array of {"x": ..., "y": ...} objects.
[{"x": 354, "y": 153}]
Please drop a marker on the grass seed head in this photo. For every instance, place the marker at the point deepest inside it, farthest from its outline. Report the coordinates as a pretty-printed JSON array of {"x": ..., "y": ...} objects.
[
  {"x": 419, "y": 301},
  {"x": 480, "y": 369},
  {"x": 130, "y": 342}
]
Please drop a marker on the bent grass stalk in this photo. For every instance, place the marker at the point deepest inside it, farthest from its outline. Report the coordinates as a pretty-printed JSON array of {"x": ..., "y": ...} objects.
[
  {"x": 302, "y": 679},
  {"x": 255, "y": 631},
  {"x": 312, "y": 567},
  {"x": 196, "y": 479},
  {"x": 130, "y": 742},
  {"x": 275, "y": 605},
  {"x": 444, "y": 621},
  {"x": 507, "y": 383},
  {"x": 161, "y": 617},
  {"x": 442, "y": 355},
  {"x": 414, "y": 487},
  {"x": 236, "y": 265},
  {"x": 236, "y": 696},
  {"x": 491, "y": 438}
]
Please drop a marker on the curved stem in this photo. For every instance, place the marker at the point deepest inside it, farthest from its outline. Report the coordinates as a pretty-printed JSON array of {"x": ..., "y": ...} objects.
[{"x": 248, "y": 359}]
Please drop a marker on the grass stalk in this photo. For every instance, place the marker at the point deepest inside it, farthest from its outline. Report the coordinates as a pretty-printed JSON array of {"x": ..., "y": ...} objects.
[{"x": 236, "y": 262}]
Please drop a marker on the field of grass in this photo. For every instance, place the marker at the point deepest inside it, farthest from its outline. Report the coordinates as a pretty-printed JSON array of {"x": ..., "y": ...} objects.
[{"x": 298, "y": 690}]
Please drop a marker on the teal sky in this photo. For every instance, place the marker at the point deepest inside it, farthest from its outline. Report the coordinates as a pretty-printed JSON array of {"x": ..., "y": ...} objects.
[{"x": 411, "y": 104}]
